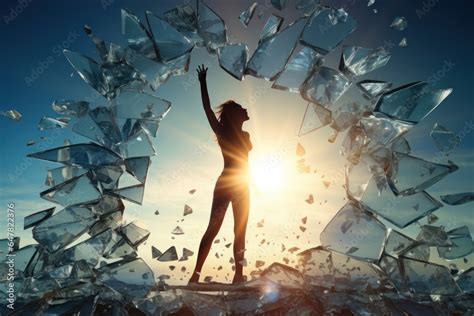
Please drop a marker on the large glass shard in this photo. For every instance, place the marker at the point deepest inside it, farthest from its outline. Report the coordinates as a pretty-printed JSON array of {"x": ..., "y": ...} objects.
[
  {"x": 428, "y": 278},
  {"x": 298, "y": 69},
  {"x": 133, "y": 193},
  {"x": 466, "y": 281},
  {"x": 445, "y": 140},
  {"x": 273, "y": 53},
  {"x": 461, "y": 244},
  {"x": 12, "y": 114},
  {"x": 397, "y": 243},
  {"x": 233, "y": 58},
  {"x": 135, "y": 232},
  {"x": 279, "y": 4},
  {"x": 129, "y": 104},
  {"x": 99, "y": 126},
  {"x": 410, "y": 174},
  {"x": 390, "y": 265},
  {"x": 373, "y": 88},
  {"x": 247, "y": 15},
  {"x": 325, "y": 86},
  {"x": 138, "y": 37},
  {"x": 316, "y": 266},
  {"x": 399, "y": 210},
  {"x": 171, "y": 44},
  {"x": 399, "y": 23},
  {"x": 184, "y": 19},
  {"x": 353, "y": 274},
  {"x": 357, "y": 61},
  {"x": 48, "y": 123},
  {"x": 458, "y": 199},
  {"x": 271, "y": 27},
  {"x": 38, "y": 217},
  {"x": 63, "y": 227},
  {"x": 138, "y": 145},
  {"x": 62, "y": 174},
  {"x": 381, "y": 130},
  {"x": 87, "y": 68},
  {"x": 348, "y": 233},
  {"x": 283, "y": 275},
  {"x": 169, "y": 255},
  {"x": 327, "y": 28},
  {"x": 138, "y": 167},
  {"x": 411, "y": 102},
  {"x": 131, "y": 278},
  {"x": 80, "y": 190},
  {"x": 85, "y": 155},
  {"x": 433, "y": 236},
  {"x": 315, "y": 116},
  {"x": 211, "y": 28}
]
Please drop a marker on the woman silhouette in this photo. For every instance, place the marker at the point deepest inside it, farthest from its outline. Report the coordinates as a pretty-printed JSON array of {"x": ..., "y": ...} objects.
[{"x": 231, "y": 186}]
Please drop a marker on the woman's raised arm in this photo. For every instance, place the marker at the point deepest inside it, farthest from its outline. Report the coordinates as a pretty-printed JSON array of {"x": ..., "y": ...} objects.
[{"x": 206, "y": 103}]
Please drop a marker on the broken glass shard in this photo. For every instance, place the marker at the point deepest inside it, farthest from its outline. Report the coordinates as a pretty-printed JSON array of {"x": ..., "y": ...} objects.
[
  {"x": 461, "y": 244},
  {"x": 233, "y": 58},
  {"x": 325, "y": 86},
  {"x": 170, "y": 43},
  {"x": 111, "y": 220},
  {"x": 347, "y": 232},
  {"x": 444, "y": 139},
  {"x": 271, "y": 27},
  {"x": 80, "y": 190},
  {"x": 298, "y": 69},
  {"x": 403, "y": 42},
  {"x": 71, "y": 107},
  {"x": 327, "y": 28},
  {"x": 187, "y": 210},
  {"x": 357, "y": 61},
  {"x": 357, "y": 178},
  {"x": 401, "y": 145},
  {"x": 184, "y": 19},
  {"x": 399, "y": 23},
  {"x": 283, "y": 275},
  {"x": 135, "y": 232},
  {"x": 87, "y": 68},
  {"x": 140, "y": 106},
  {"x": 353, "y": 146},
  {"x": 397, "y": 243},
  {"x": 381, "y": 130},
  {"x": 48, "y": 123},
  {"x": 169, "y": 255},
  {"x": 138, "y": 167},
  {"x": 411, "y": 102},
  {"x": 63, "y": 227},
  {"x": 390, "y": 265},
  {"x": 127, "y": 277},
  {"x": 247, "y": 15},
  {"x": 109, "y": 176},
  {"x": 373, "y": 88},
  {"x": 399, "y": 210},
  {"x": 279, "y": 4},
  {"x": 122, "y": 249},
  {"x": 433, "y": 236},
  {"x": 154, "y": 72},
  {"x": 458, "y": 199},
  {"x": 308, "y": 6},
  {"x": 315, "y": 116},
  {"x": 273, "y": 53},
  {"x": 138, "y": 37},
  {"x": 7, "y": 246},
  {"x": 38, "y": 217},
  {"x": 347, "y": 115},
  {"x": 466, "y": 281},
  {"x": 132, "y": 193},
  {"x": 428, "y": 278},
  {"x": 155, "y": 253},
  {"x": 316, "y": 266},
  {"x": 419, "y": 252},
  {"x": 12, "y": 114},
  {"x": 177, "y": 231},
  {"x": 410, "y": 174},
  {"x": 211, "y": 27},
  {"x": 186, "y": 254},
  {"x": 138, "y": 145}
]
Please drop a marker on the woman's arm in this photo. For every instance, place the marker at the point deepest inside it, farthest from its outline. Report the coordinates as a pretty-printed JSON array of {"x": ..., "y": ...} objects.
[{"x": 211, "y": 117}]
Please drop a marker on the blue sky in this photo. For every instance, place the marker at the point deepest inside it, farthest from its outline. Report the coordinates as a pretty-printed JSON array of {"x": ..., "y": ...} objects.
[{"x": 35, "y": 73}]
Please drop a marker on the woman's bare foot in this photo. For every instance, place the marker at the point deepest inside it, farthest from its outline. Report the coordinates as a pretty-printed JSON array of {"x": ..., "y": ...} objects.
[{"x": 194, "y": 278}]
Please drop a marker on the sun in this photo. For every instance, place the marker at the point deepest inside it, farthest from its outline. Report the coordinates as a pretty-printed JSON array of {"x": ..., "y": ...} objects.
[{"x": 268, "y": 173}]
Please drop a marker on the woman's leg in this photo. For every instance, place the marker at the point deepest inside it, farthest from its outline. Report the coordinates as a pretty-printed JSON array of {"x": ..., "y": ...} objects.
[
  {"x": 240, "y": 207},
  {"x": 220, "y": 202}
]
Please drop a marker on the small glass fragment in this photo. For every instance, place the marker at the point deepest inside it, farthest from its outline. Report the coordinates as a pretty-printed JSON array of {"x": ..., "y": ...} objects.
[
  {"x": 12, "y": 114},
  {"x": 433, "y": 236},
  {"x": 357, "y": 61},
  {"x": 30, "y": 143},
  {"x": 71, "y": 107},
  {"x": 399, "y": 23},
  {"x": 187, "y": 210},
  {"x": 403, "y": 42},
  {"x": 373, "y": 88},
  {"x": 36, "y": 218},
  {"x": 233, "y": 59},
  {"x": 461, "y": 244},
  {"x": 371, "y": 2},
  {"x": 315, "y": 116},
  {"x": 132, "y": 193},
  {"x": 310, "y": 199},
  {"x": 177, "y": 231},
  {"x": 458, "y": 198},
  {"x": 192, "y": 191},
  {"x": 155, "y": 253},
  {"x": 247, "y": 15},
  {"x": 80, "y": 190},
  {"x": 48, "y": 123},
  {"x": 271, "y": 27},
  {"x": 444, "y": 139},
  {"x": 169, "y": 255}
]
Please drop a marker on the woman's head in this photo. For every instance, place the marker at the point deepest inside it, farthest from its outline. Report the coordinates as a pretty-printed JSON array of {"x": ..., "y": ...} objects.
[{"x": 231, "y": 114}]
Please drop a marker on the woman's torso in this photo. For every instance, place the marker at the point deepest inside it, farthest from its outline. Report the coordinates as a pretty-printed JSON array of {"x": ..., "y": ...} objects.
[{"x": 235, "y": 149}]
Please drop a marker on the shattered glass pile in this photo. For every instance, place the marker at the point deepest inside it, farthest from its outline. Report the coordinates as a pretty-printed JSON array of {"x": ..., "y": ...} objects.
[{"x": 362, "y": 266}]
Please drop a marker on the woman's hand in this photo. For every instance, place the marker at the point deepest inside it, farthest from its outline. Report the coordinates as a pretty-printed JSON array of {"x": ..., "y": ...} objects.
[{"x": 202, "y": 73}]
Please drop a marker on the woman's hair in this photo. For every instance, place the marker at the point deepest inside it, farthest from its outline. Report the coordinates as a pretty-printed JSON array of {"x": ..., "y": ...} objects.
[{"x": 225, "y": 113}]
